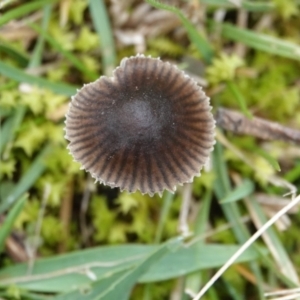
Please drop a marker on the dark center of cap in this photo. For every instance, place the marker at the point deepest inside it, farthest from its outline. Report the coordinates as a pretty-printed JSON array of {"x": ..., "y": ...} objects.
[
  {"x": 140, "y": 122},
  {"x": 138, "y": 117}
]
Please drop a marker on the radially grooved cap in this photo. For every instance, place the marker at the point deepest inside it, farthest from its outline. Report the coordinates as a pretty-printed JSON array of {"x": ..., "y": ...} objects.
[{"x": 148, "y": 127}]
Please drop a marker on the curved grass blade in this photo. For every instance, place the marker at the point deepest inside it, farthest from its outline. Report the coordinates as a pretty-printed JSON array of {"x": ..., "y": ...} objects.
[
  {"x": 167, "y": 201},
  {"x": 239, "y": 97},
  {"x": 121, "y": 289},
  {"x": 199, "y": 41},
  {"x": 10, "y": 126},
  {"x": 37, "y": 54},
  {"x": 27, "y": 180},
  {"x": 21, "y": 76},
  {"x": 58, "y": 273},
  {"x": 261, "y": 41},
  {"x": 101, "y": 23},
  {"x": 92, "y": 291},
  {"x": 23, "y": 10},
  {"x": 72, "y": 58},
  {"x": 269, "y": 158},
  {"x": 9, "y": 220},
  {"x": 256, "y": 6},
  {"x": 293, "y": 174},
  {"x": 19, "y": 57},
  {"x": 245, "y": 189},
  {"x": 232, "y": 212}
]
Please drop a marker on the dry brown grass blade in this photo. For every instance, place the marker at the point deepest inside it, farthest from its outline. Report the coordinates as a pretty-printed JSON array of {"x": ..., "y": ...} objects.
[{"x": 246, "y": 245}]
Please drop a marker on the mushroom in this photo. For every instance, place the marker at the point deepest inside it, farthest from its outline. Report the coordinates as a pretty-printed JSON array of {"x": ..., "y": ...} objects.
[{"x": 148, "y": 127}]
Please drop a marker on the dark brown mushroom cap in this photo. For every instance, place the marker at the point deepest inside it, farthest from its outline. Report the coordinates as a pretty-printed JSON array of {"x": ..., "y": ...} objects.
[{"x": 147, "y": 128}]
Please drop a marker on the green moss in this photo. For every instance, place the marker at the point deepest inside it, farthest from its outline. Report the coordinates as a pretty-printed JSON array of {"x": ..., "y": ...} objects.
[{"x": 223, "y": 68}]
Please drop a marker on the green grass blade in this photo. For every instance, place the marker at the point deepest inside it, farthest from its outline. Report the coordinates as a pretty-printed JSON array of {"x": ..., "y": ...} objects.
[
  {"x": 68, "y": 55},
  {"x": 23, "y": 10},
  {"x": 37, "y": 54},
  {"x": 4, "y": 113},
  {"x": 231, "y": 210},
  {"x": 194, "y": 280},
  {"x": 256, "y": 6},
  {"x": 101, "y": 23},
  {"x": 15, "y": 54},
  {"x": 239, "y": 98},
  {"x": 28, "y": 179},
  {"x": 293, "y": 174},
  {"x": 30, "y": 296},
  {"x": 117, "y": 285},
  {"x": 195, "y": 258},
  {"x": 20, "y": 76},
  {"x": 122, "y": 288},
  {"x": 11, "y": 84},
  {"x": 9, "y": 220},
  {"x": 167, "y": 201},
  {"x": 269, "y": 158},
  {"x": 52, "y": 274},
  {"x": 10, "y": 126},
  {"x": 245, "y": 189},
  {"x": 95, "y": 289},
  {"x": 58, "y": 273},
  {"x": 203, "y": 216},
  {"x": 262, "y": 42},
  {"x": 199, "y": 41}
]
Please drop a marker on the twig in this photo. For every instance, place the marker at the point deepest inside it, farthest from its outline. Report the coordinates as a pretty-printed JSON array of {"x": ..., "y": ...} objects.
[{"x": 236, "y": 122}]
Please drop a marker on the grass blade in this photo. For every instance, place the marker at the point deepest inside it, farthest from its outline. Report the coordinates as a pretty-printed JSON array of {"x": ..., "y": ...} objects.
[
  {"x": 269, "y": 158},
  {"x": 194, "y": 280},
  {"x": 95, "y": 289},
  {"x": 58, "y": 273},
  {"x": 37, "y": 54},
  {"x": 28, "y": 179},
  {"x": 101, "y": 23},
  {"x": 23, "y": 10},
  {"x": 245, "y": 189},
  {"x": 256, "y": 6},
  {"x": 72, "y": 58},
  {"x": 200, "y": 42},
  {"x": 273, "y": 241},
  {"x": 20, "y": 76},
  {"x": 10, "y": 126},
  {"x": 262, "y": 42},
  {"x": 9, "y": 221},
  {"x": 239, "y": 98},
  {"x": 122, "y": 288},
  {"x": 167, "y": 201},
  {"x": 16, "y": 55},
  {"x": 231, "y": 210}
]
